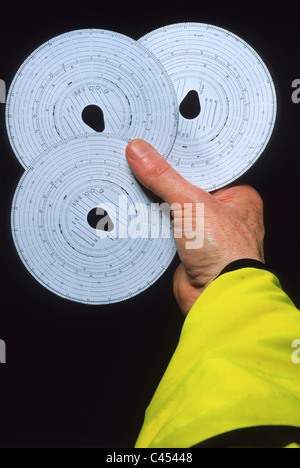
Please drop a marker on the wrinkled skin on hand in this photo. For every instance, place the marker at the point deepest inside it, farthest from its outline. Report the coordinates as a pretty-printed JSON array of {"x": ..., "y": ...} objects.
[{"x": 233, "y": 222}]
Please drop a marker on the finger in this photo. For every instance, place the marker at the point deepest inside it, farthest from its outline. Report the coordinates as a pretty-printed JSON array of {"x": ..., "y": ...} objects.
[
  {"x": 185, "y": 294},
  {"x": 154, "y": 172}
]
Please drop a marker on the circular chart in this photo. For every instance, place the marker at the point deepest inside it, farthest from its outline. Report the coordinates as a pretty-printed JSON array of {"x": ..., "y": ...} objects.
[
  {"x": 226, "y": 98},
  {"x": 83, "y": 226},
  {"x": 90, "y": 80}
]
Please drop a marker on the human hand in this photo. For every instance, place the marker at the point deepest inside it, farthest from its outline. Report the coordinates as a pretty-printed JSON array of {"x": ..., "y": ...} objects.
[{"x": 233, "y": 222}]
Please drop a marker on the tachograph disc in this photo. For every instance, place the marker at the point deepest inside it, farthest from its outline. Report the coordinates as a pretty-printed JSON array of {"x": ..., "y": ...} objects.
[
  {"x": 226, "y": 98},
  {"x": 70, "y": 73},
  {"x": 61, "y": 244}
]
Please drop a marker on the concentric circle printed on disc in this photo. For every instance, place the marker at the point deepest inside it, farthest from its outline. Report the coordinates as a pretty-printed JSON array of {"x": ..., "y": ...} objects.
[
  {"x": 236, "y": 101},
  {"x": 89, "y": 67},
  {"x": 57, "y": 243}
]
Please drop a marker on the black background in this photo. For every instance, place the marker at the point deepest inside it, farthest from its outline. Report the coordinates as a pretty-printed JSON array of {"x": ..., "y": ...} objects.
[{"x": 82, "y": 376}]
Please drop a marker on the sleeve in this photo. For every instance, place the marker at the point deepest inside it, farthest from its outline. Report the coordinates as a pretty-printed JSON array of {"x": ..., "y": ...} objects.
[{"x": 233, "y": 367}]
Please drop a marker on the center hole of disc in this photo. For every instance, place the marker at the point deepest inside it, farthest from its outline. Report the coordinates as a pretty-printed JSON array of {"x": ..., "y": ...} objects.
[
  {"x": 190, "y": 106},
  {"x": 93, "y": 117},
  {"x": 100, "y": 221}
]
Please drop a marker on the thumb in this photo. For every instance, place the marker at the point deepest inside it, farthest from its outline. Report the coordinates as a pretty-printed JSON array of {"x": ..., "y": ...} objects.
[{"x": 154, "y": 172}]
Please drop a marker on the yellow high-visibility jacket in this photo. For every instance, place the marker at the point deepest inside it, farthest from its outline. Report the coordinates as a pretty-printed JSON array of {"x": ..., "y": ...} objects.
[{"x": 234, "y": 379}]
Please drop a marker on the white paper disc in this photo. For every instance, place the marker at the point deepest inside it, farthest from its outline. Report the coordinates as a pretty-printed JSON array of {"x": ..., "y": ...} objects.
[
  {"x": 62, "y": 249},
  {"x": 236, "y": 95},
  {"x": 90, "y": 67}
]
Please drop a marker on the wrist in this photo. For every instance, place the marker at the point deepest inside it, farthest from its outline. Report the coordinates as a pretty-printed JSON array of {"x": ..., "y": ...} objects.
[
  {"x": 243, "y": 263},
  {"x": 196, "y": 291}
]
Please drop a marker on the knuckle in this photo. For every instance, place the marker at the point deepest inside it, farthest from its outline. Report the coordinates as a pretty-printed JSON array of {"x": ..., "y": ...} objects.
[{"x": 158, "y": 169}]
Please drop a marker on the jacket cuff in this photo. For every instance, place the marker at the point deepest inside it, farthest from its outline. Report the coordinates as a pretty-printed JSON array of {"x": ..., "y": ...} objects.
[{"x": 244, "y": 263}]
